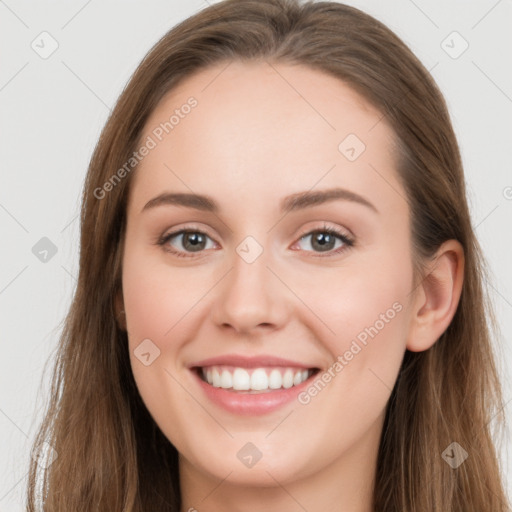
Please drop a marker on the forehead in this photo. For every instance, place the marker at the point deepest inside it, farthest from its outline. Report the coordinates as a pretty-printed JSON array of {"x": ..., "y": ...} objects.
[{"x": 264, "y": 129}]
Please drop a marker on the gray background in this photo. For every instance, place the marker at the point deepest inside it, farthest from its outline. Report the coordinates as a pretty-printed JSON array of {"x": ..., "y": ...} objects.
[{"x": 54, "y": 108}]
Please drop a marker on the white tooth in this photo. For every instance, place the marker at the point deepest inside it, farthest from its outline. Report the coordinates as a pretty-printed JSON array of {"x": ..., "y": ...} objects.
[
  {"x": 226, "y": 381},
  {"x": 241, "y": 380},
  {"x": 297, "y": 379},
  {"x": 275, "y": 381},
  {"x": 305, "y": 375},
  {"x": 208, "y": 376},
  {"x": 288, "y": 379},
  {"x": 216, "y": 378},
  {"x": 259, "y": 379}
]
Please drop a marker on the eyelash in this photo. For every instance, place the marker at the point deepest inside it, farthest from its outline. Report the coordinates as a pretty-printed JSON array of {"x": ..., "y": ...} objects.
[{"x": 348, "y": 242}]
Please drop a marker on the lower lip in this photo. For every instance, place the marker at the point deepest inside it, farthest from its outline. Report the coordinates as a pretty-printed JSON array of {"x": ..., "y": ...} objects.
[{"x": 251, "y": 404}]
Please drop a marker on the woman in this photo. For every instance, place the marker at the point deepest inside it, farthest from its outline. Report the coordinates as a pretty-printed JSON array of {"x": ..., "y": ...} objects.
[{"x": 280, "y": 301}]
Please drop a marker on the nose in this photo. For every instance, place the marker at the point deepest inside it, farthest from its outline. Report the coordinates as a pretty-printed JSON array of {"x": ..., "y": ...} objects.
[{"x": 251, "y": 298}]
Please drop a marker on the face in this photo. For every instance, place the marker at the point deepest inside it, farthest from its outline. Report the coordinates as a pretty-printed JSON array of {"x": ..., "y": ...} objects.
[{"x": 288, "y": 290}]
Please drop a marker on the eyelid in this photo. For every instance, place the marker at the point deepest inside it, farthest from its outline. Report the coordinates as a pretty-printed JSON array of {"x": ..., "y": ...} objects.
[{"x": 329, "y": 227}]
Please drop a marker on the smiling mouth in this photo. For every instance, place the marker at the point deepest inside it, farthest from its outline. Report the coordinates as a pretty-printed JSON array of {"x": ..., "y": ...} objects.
[{"x": 254, "y": 380}]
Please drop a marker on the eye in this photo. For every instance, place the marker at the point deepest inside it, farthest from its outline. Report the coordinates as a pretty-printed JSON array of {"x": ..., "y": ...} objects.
[
  {"x": 191, "y": 240},
  {"x": 324, "y": 240}
]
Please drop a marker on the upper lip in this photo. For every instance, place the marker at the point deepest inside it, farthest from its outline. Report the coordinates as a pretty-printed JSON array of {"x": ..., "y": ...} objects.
[{"x": 249, "y": 361}]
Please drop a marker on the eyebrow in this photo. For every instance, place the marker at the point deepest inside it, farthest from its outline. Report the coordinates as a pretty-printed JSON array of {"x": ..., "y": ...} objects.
[{"x": 293, "y": 202}]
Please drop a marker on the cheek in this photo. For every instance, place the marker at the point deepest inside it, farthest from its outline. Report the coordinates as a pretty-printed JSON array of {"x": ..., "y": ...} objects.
[
  {"x": 368, "y": 313},
  {"x": 161, "y": 304},
  {"x": 157, "y": 298},
  {"x": 361, "y": 302},
  {"x": 365, "y": 309},
  {"x": 156, "y": 301}
]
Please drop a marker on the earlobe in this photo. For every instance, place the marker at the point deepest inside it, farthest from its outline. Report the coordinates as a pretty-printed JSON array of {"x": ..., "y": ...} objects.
[{"x": 438, "y": 297}]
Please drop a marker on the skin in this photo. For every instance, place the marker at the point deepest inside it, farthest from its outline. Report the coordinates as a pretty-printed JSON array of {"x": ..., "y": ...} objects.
[{"x": 259, "y": 133}]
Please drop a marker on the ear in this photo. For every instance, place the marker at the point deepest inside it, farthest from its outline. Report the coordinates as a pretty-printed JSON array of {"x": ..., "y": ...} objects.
[
  {"x": 437, "y": 297},
  {"x": 119, "y": 309}
]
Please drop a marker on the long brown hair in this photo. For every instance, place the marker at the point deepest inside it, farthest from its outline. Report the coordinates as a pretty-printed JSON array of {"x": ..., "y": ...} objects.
[{"x": 111, "y": 456}]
